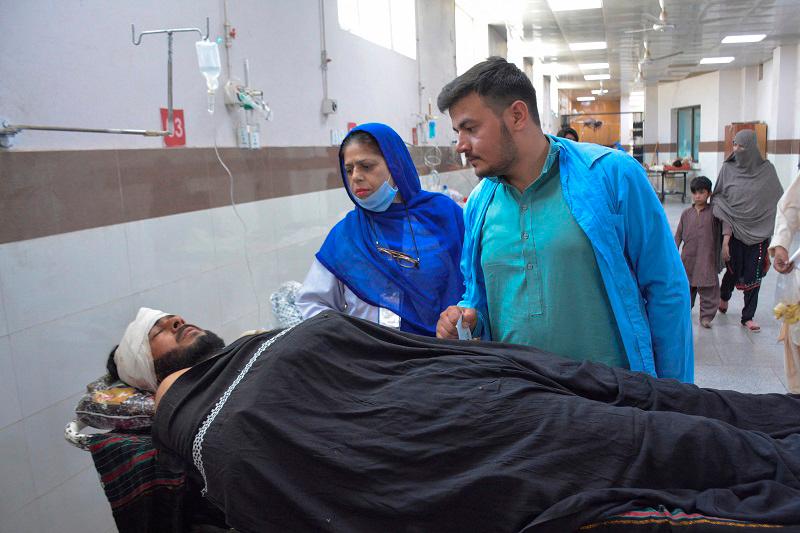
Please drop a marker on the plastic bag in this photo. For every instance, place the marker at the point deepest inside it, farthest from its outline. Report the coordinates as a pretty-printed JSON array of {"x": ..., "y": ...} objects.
[{"x": 787, "y": 297}]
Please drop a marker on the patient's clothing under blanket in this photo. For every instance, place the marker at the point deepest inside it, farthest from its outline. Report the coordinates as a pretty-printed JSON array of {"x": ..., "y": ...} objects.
[
  {"x": 147, "y": 494},
  {"x": 343, "y": 425},
  {"x": 144, "y": 495}
]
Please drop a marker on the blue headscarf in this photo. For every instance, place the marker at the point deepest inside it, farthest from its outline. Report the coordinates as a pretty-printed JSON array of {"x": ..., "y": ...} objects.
[{"x": 417, "y": 295}]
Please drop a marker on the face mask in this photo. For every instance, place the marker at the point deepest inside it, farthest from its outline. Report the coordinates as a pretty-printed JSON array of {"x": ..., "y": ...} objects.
[{"x": 380, "y": 200}]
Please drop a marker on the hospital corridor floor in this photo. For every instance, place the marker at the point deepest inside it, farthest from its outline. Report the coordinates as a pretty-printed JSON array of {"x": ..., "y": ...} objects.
[{"x": 729, "y": 356}]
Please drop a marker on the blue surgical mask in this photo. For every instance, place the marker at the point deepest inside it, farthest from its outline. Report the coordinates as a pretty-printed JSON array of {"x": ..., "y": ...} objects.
[{"x": 380, "y": 200}]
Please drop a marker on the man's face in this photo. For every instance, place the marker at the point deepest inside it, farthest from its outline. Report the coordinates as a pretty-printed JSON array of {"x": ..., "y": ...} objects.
[
  {"x": 175, "y": 345},
  {"x": 482, "y": 137}
]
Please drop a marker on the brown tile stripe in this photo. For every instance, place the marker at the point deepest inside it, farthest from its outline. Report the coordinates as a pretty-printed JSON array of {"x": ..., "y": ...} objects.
[
  {"x": 51, "y": 192},
  {"x": 774, "y": 146}
]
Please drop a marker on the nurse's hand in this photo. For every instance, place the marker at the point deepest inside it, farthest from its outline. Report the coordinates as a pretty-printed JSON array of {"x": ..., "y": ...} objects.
[{"x": 446, "y": 327}]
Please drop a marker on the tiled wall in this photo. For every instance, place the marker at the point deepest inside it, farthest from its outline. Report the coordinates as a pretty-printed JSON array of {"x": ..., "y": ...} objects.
[{"x": 65, "y": 300}]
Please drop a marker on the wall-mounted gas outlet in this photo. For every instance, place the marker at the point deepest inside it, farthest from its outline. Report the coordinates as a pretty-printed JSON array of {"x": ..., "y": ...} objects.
[{"x": 329, "y": 106}]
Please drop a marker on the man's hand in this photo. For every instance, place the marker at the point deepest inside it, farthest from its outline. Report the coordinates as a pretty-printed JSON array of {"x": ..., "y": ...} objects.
[
  {"x": 446, "y": 327},
  {"x": 781, "y": 258},
  {"x": 726, "y": 252}
]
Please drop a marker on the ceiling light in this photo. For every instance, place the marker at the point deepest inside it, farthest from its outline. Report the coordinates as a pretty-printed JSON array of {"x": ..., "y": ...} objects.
[
  {"x": 637, "y": 94},
  {"x": 716, "y": 60},
  {"x": 595, "y": 45},
  {"x": 585, "y": 98},
  {"x": 593, "y": 66},
  {"x": 599, "y": 91},
  {"x": 594, "y": 77},
  {"x": 733, "y": 39},
  {"x": 574, "y": 5}
]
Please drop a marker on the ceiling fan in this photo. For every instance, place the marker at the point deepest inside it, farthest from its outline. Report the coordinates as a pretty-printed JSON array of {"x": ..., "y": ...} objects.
[
  {"x": 659, "y": 23},
  {"x": 647, "y": 58}
]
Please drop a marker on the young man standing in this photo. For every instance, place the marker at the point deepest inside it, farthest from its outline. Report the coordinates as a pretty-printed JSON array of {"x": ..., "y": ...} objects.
[{"x": 566, "y": 246}]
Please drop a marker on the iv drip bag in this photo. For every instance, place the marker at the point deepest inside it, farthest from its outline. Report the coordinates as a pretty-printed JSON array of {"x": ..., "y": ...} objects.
[{"x": 208, "y": 60}]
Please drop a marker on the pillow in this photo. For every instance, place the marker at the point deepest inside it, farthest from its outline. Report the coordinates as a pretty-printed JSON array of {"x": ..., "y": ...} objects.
[{"x": 112, "y": 404}]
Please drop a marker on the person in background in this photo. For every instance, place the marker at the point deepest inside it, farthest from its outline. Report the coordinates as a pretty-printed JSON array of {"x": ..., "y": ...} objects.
[
  {"x": 394, "y": 259},
  {"x": 745, "y": 199},
  {"x": 697, "y": 231},
  {"x": 568, "y": 133},
  {"x": 784, "y": 238},
  {"x": 566, "y": 247}
]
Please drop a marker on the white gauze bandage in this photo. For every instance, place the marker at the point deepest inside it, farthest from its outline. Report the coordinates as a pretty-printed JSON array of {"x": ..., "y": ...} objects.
[{"x": 133, "y": 357}]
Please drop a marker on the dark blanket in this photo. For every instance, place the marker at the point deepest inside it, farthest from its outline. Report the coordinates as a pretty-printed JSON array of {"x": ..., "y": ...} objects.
[{"x": 343, "y": 425}]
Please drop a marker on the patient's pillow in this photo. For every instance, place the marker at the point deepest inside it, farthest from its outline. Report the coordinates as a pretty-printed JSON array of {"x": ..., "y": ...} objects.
[{"x": 112, "y": 404}]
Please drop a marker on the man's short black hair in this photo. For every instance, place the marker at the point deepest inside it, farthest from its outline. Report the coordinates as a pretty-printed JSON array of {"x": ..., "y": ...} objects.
[
  {"x": 563, "y": 132},
  {"x": 700, "y": 183},
  {"x": 496, "y": 81}
]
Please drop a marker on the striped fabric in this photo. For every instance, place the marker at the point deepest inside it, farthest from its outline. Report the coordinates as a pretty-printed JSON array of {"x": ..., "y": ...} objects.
[{"x": 144, "y": 495}]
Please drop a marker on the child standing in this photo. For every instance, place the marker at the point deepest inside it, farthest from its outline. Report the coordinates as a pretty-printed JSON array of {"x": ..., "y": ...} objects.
[{"x": 697, "y": 232}]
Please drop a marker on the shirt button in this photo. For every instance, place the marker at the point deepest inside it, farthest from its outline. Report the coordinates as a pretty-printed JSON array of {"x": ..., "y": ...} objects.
[
  {"x": 530, "y": 266},
  {"x": 524, "y": 207},
  {"x": 524, "y": 235}
]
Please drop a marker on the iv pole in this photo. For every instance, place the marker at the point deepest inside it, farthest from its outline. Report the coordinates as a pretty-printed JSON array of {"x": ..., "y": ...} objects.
[{"x": 7, "y": 131}]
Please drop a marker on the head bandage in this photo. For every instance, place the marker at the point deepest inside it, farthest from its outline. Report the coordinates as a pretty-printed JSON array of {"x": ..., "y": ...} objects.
[{"x": 133, "y": 357}]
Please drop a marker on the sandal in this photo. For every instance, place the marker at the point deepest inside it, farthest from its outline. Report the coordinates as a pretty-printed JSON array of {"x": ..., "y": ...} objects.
[{"x": 752, "y": 325}]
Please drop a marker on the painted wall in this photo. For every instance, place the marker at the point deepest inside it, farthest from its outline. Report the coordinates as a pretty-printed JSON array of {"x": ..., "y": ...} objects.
[
  {"x": 703, "y": 91},
  {"x": 96, "y": 77}
]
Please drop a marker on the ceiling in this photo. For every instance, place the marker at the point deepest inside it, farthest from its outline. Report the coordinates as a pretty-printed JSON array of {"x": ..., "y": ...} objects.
[{"x": 699, "y": 27}]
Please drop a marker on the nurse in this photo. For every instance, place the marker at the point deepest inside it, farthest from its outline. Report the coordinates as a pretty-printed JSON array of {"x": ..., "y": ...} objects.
[{"x": 394, "y": 259}]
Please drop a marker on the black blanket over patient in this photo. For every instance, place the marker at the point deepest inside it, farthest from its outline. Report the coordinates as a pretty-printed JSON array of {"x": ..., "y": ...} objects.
[{"x": 344, "y": 425}]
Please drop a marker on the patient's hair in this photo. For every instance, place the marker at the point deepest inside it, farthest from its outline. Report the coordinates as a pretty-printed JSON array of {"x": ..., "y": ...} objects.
[
  {"x": 111, "y": 365},
  {"x": 498, "y": 82},
  {"x": 362, "y": 137},
  {"x": 700, "y": 183}
]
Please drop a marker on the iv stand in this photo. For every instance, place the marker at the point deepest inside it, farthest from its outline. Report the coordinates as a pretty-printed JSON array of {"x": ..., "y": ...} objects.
[{"x": 7, "y": 131}]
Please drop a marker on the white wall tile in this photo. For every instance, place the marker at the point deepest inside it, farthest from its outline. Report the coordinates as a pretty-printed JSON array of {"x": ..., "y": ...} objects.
[
  {"x": 10, "y": 411},
  {"x": 77, "y": 506},
  {"x": 44, "y": 279},
  {"x": 229, "y": 233},
  {"x": 238, "y": 292},
  {"x": 298, "y": 218},
  {"x": 195, "y": 298},
  {"x": 56, "y": 360},
  {"x": 16, "y": 481},
  {"x": 22, "y": 520},
  {"x": 166, "y": 249},
  {"x": 53, "y": 459},
  {"x": 230, "y": 331},
  {"x": 3, "y": 321}
]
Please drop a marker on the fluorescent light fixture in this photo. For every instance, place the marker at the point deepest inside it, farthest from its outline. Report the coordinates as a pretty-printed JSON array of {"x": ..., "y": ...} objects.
[
  {"x": 574, "y": 5},
  {"x": 585, "y": 98},
  {"x": 596, "y": 77},
  {"x": 637, "y": 94},
  {"x": 716, "y": 60},
  {"x": 734, "y": 39},
  {"x": 599, "y": 92},
  {"x": 594, "y": 45},
  {"x": 593, "y": 66}
]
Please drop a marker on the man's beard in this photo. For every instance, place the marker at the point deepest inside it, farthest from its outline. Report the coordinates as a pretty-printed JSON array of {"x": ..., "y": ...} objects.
[
  {"x": 201, "y": 349},
  {"x": 508, "y": 155}
]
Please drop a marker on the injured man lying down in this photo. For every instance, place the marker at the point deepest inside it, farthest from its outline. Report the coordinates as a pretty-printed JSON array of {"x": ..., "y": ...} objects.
[{"x": 339, "y": 424}]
